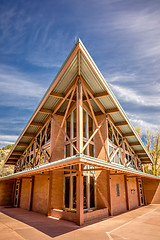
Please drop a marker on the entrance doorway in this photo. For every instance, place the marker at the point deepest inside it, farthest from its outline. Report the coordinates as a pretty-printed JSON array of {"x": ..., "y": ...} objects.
[
  {"x": 16, "y": 196},
  {"x": 141, "y": 193}
]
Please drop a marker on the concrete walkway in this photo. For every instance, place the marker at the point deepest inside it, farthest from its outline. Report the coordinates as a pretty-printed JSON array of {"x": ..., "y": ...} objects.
[{"x": 142, "y": 223}]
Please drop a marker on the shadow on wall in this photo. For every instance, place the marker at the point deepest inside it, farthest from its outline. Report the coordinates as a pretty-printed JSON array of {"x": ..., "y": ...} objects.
[{"x": 152, "y": 191}]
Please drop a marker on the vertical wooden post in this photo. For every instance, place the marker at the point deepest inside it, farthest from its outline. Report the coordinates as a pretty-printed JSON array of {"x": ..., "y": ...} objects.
[
  {"x": 50, "y": 192},
  {"x": 108, "y": 193},
  {"x": 52, "y": 140},
  {"x": 19, "y": 193},
  {"x": 79, "y": 117},
  {"x": 79, "y": 195},
  {"x": 31, "y": 197},
  {"x": 126, "y": 191},
  {"x": 13, "y": 192},
  {"x": 138, "y": 192}
]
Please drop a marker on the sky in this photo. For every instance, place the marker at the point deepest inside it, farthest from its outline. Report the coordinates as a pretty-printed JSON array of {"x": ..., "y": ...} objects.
[{"x": 122, "y": 36}]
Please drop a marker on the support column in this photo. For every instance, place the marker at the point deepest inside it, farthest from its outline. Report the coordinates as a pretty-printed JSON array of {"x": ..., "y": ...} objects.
[
  {"x": 13, "y": 192},
  {"x": 138, "y": 192},
  {"x": 31, "y": 197},
  {"x": 79, "y": 195},
  {"x": 52, "y": 140},
  {"x": 79, "y": 117},
  {"x": 108, "y": 193},
  {"x": 50, "y": 192},
  {"x": 19, "y": 194},
  {"x": 126, "y": 191}
]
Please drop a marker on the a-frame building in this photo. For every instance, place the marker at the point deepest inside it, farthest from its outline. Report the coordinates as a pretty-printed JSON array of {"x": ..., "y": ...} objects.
[{"x": 79, "y": 157}]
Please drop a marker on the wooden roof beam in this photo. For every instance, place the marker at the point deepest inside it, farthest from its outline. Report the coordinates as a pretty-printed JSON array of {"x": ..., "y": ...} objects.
[
  {"x": 45, "y": 110},
  {"x": 140, "y": 151},
  {"x": 112, "y": 110},
  {"x": 131, "y": 134},
  {"x": 57, "y": 95},
  {"x": 101, "y": 94},
  {"x": 36, "y": 124},
  {"x": 14, "y": 158},
  {"x": 20, "y": 144},
  {"x": 144, "y": 155},
  {"x": 134, "y": 143},
  {"x": 117, "y": 124},
  {"x": 17, "y": 153},
  {"x": 30, "y": 135}
]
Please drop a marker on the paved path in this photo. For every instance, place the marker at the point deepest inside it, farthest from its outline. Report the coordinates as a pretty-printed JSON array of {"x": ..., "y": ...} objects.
[{"x": 139, "y": 224}]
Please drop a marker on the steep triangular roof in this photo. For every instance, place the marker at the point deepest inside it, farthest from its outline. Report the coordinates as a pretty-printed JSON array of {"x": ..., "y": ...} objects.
[{"x": 59, "y": 87}]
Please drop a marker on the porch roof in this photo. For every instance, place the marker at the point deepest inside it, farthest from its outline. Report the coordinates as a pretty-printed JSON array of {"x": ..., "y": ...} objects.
[
  {"x": 101, "y": 90},
  {"x": 79, "y": 159}
]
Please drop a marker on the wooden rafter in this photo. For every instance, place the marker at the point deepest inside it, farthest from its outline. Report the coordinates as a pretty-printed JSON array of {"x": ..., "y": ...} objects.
[
  {"x": 122, "y": 154},
  {"x": 120, "y": 123},
  {"x": 65, "y": 115},
  {"x": 45, "y": 110},
  {"x": 69, "y": 90},
  {"x": 36, "y": 124},
  {"x": 95, "y": 120},
  {"x": 92, "y": 136},
  {"x": 101, "y": 94}
]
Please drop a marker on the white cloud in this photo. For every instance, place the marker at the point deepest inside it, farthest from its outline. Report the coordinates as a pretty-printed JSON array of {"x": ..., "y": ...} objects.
[{"x": 131, "y": 95}]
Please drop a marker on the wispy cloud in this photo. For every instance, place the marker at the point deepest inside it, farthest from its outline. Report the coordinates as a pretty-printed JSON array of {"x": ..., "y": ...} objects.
[
  {"x": 18, "y": 88},
  {"x": 7, "y": 139}
]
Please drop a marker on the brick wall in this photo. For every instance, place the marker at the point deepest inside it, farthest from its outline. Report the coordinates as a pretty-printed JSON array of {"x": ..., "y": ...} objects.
[
  {"x": 40, "y": 194},
  {"x": 132, "y": 193},
  {"x": 118, "y": 204},
  {"x": 57, "y": 190},
  {"x": 151, "y": 191},
  {"x": 25, "y": 193},
  {"x": 6, "y": 193},
  {"x": 57, "y": 140}
]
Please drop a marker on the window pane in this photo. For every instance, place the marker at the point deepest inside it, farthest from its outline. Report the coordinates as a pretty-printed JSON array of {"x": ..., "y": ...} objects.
[
  {"x": 84, "y": 124},
  {"x": 91, "y": 150},
  {"x": 67, "y": 191},
  {"x": 85, "y": 150},
  {"x": 68, "y": 126},
  {"x": 67, "y": 150},
  {"x": 92, "y": 192},
  {"x": 117, "y": 190},
  {"x": 85, "y": 192},
  {"x": 74, "y": 191},
  {"x": 74, "y": 123},
  {"x": 74, "y": 151},
  {"x": 90, "y": 125}
]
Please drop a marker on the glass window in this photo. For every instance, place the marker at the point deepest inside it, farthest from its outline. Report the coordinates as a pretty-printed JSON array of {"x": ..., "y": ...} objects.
[
  {"x": 68, "y": 154},
  {"x": 74, "y": 151},
  {"x": 74, "y": 191},
  {"x": 91, "y": 150},
  {"x": 74, "y": 123},
  {"x": 117, "y": 190},
  {"x": 67, "y": 191},
  {"x": 90, "y": 126},
  {"x": 85, "y": 205},
  {"x": 68, "y": 126},
  {"x": 84, "y": 124},
  {"x": 92, "y": 192}
]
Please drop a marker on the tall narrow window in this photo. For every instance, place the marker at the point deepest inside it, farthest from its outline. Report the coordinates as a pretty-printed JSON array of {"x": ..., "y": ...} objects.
[
  {"x": 74, "y": 123},
  {"x": 85, "y": 205},
  {"x": 92, "y": 193},
  {"x": 68, "y": 126},
  {"x": 84, "y": 124},
  {"x": 90, "y": 125},
  {"x": 74, "y": 192},
  {"x": 67, "y": 148},
  {"x": 67, "y": 191},
  {"x": 117, "y": 190}
]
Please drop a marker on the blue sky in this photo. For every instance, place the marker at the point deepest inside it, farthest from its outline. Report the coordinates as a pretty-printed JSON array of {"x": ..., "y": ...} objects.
[{"x": 122, "y": 36}]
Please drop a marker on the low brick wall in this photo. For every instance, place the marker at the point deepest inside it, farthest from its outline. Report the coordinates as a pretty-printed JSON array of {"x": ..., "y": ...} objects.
[
  {"x": 6, "y": 193},
  {"x": 71, "y": 216}
]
